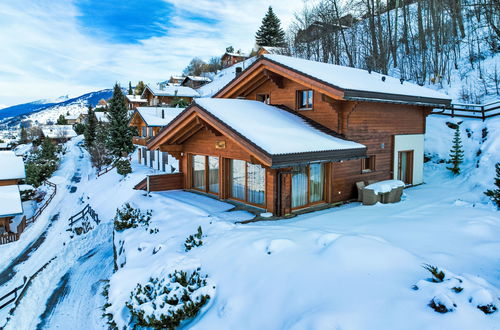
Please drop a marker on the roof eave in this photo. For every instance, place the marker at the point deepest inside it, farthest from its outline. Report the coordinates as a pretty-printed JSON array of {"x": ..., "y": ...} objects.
[
  {"x": 292, "y": 159},
  {"x": 355, "y": 95}
]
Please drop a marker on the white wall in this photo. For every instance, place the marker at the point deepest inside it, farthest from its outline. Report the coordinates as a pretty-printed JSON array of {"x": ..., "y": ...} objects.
[{"x": 413, "y": 142}]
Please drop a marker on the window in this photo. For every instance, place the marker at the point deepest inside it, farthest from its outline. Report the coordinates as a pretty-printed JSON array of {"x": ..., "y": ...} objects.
[
  {"x": 248, "y": 182},
  {"x": 308, "y": 185},
  {"x": 305, "y": 99},
  {"x": 263, "y": 98},
  {"x": 368, "y": 164},
  {"x": 144, "y": 131},
  {"x": 150, "y": 131},
  {"x": 205, "y": 173}
]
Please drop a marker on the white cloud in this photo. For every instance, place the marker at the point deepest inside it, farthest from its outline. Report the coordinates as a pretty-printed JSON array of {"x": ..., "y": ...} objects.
[{"x": 45, "y": 53}]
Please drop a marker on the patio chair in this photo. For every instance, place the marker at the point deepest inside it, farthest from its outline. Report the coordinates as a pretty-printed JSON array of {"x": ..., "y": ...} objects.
[
  {"x": 360, "y": 185},
  {"x": 370, "y": 197},
  {"x": 393, "y": 196}
]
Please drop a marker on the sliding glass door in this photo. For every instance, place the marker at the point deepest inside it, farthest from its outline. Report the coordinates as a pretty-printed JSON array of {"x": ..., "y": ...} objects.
[
  {"x": 248, "y": 182},
  {"x": 205, "y": 169},
  {"x": 308, "y": 185}
]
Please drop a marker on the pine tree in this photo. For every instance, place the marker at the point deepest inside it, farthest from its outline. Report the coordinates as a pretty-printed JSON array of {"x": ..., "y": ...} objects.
[
  {"x": 270, "y": 32},
  {"x": 456, "y": 153},
  {"x": 119, "y": 136},
  {"x": 90, "y": 128},
  {"x": 47, "y": 150},
  {"x": 62, "y": 120},
  {"x": 130, "y": 92},
  {"x": 494, "y": 194},
  {"x": 139, "y": 88}
]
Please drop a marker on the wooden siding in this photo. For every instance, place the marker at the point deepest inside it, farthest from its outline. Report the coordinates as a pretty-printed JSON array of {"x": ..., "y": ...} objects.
[
  {"x": 162, "y": 182},
  {"x": 9, "y": 182}
]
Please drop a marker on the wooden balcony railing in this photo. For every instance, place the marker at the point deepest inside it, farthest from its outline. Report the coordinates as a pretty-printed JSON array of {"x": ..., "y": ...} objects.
[{"x": 139, "y": 140}]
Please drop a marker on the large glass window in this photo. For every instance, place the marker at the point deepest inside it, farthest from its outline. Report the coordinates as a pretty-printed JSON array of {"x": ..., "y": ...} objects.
[
  {"x": 248, "y": 182},
  {"x": 308, "y": 185},
  {"x": 256, "y": 183},
  {"x": 199, "y": 172},
  {"x": 213, "y": 174},
  {"x": 238, "y": 179}
]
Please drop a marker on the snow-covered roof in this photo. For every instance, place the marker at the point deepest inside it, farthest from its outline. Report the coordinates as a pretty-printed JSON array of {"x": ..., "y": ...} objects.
[
  {"x": 181, "y": 91},
  {"x": 11, "y": 166},
  {"x": 58, "y": 131},
  {"x": 222, "y": 78},
  {"x": 136, "y": 98},
  {"x": 101, "y": 116},
  {"x": 152, "y": 116},
  {"x": 177, "y": 77},
  {"x": 352, "y": 79},
  {"x": 274, "y": 50},
  {"x": 72, "y": 117},
  {"x": 198, "y": 78},
  {"x": 10, "y": 201},
  {"x": 274, "y": 130},
  {"x": 4, "y": 145},
  {"x": 236, "y": 54}
]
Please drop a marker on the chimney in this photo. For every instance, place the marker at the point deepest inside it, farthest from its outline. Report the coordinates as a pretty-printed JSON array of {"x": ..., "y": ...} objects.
[
  {"x": 239, "y": 70},
  {"x": 383, "y": 78},
  {"x": 162, "y": 114},
  {"x": 401, "y": 80}
]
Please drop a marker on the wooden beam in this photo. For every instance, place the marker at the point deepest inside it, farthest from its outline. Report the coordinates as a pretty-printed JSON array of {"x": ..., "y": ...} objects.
[
  {"x": 171, "y": 148},
  {"x": 247, "y": 89},
  {"x": 343, "y": 109},
  {"x": 275, "y": 78}
]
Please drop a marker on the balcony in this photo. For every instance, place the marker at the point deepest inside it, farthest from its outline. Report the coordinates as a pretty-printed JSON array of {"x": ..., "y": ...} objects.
[{"x": 140, "y": 140}]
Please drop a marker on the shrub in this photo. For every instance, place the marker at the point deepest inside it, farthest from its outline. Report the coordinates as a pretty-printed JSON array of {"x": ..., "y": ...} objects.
[
  {"x": 438, "y": 275},
  {"x": 194, "y": 240},
  {"x": 79, "y": 128},
  {"x": 123, "y": 167},
  {"x": 494, "y": 194},
  {"x": 442, "y": 304},
  {"x": 165, "y": 303},
  {"x": 128, "y": 217}
]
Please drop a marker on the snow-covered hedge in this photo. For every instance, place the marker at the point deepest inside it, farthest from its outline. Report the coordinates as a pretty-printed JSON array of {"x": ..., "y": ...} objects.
[
  {"x": 129, "y": 217},
  {"x": 194, "y": 240},
  {"x": 165, "y": 303},
  {"x": 449, "y": 292}
]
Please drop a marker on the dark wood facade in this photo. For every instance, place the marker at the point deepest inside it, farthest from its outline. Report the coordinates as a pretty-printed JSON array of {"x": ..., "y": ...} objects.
[{"x": 374, "y": 124}]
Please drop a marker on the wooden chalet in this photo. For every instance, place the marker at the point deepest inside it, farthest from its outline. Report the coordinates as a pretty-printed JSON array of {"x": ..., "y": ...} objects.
[
  {"x": 176, "y": 80},
  {"x": 165, "y": 95},
  {"x": 289, "y": 134},
  {"x": 148, "y": 121},
  {"x": 11, "y": 172},
  {"x": 195, "y": 82},
  {"x": 263, "y": 50},
  {"x": 229, "y": 59},
  {"x": 134, "y": 101}
]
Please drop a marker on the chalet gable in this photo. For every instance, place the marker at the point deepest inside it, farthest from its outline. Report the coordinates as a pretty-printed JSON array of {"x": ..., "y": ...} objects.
[{"x": 333, "y": 81}]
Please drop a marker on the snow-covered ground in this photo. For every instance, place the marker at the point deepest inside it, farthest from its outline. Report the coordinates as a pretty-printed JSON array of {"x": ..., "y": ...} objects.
[{"x": 352, "y": 267}]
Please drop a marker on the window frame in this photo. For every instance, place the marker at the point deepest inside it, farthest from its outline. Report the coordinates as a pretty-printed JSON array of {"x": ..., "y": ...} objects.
[
  {"x": 245, "y": 200},
  {"x": 309, "y": 203},
  {"x": 299, "y": 99},
  {"x": 368, "y": 164},
  {"x": 267, "y": 98},
  {"x": 207, "y": 174}
]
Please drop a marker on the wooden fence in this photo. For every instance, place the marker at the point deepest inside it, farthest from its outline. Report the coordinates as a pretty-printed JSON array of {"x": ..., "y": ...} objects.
[
  {"x": 12, "y": 295},
  {"x": 80, "y": 222},
  {"x": 477, "y": 111},
  {"x": 12, "y": 237},
  {"x": 161, "y": 182}
]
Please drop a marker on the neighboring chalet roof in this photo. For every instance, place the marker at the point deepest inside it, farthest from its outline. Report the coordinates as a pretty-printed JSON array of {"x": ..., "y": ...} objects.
[
  {"x": 235, "y": 54},
  {"x": 222, "y": 78},
  {"x": 195, "y": 78},
  {"x": 271, "y": 50},
  {"x": 157, "y": 116},
  {"x": 10, "y": 201},
  {"x": 11, "y": 166},
  {"x": 280, "y": 136},
  {"x": 58, "y": 131},
  {"x": 181, "y": 91},
  {"x": 136, "y": 98},
  {"x": 345, "y": 83}
]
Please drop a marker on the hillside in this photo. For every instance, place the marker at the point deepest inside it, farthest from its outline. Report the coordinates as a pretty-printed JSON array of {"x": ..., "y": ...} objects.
[{"x": 44, "y": 110}]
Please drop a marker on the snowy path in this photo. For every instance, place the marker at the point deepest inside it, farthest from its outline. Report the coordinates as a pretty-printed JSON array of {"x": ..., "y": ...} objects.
[{"x": 59, "y": 291}]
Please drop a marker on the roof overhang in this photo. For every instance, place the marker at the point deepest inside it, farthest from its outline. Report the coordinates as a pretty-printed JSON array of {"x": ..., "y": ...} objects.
[
  {"x": 335, "y": 92},
  {"x": 195, "y": 118}
]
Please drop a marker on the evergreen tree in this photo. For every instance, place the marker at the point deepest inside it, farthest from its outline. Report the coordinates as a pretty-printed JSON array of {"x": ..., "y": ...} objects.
[
  {"x": 139, "y": 88},
  {"x": 24, "y": 136},
  {"x": 119, "y": 135},
  {"x": 47, "y": 150},
  {"x": 90, "y": 128},
  {"x": 130, "y": 92},
  {"x": 270, "y": 32},
  {"x": 62, "y": 120},
  {"x": 456, "y": 153},
  {"x": 495, "y": 193}
]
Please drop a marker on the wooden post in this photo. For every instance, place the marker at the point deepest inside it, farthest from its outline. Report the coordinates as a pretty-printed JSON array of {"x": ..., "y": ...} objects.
[
  {"x": 483, "y": 112},
  {"x": 147, "y": 184}
]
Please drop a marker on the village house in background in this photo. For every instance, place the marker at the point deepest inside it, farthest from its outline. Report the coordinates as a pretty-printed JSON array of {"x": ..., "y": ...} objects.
[
  {"x": 166, "y": 95},
  {"x": 195, "y": 82},
  {"x": 229, "y": 59},
  {"x": 11, "y": 173},
  {"x": 176, "y": 80},
  {"x": 59, "y": 133},
  {"x": 134, "y": 101},
  {"x": 290, "y": 134}
]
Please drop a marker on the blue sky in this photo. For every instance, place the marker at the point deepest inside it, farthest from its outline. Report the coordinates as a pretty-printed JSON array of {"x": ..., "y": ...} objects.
[{"x": 58, "y": 47}]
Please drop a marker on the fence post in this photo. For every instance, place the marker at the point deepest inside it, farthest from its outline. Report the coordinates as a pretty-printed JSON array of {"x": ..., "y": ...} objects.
[
  {"x": 483, "y": 112},
  {"x": 147, "y": 184}
]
